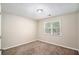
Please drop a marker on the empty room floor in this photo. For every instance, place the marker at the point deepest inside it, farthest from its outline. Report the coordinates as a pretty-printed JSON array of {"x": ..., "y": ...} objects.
[{"x": 39, "y": 48}]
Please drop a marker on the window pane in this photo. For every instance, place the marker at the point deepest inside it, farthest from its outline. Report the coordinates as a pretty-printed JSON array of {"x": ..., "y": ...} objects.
[
  {"x": 48, "y": 27},
  {"x": 55, "y": 24},
  {"x": 48, "y": 30},
  {"x": 56, "y": 28}
]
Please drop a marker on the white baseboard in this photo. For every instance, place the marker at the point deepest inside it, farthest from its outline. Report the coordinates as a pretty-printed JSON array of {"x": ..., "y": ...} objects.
[
  {"x": 42, "y": 41},
  {"x": 17, "y": 45},
  {"x": 61, "y": 45}
]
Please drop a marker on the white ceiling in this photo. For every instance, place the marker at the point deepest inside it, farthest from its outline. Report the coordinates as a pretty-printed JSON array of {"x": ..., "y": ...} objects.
[{"x": 29, "y": 9}]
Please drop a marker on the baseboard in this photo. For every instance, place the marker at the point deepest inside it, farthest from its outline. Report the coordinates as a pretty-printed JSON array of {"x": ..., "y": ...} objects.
[
  {"x": 42, "y": 41},
  {"x": 17, "y": 45},
  {"x": 60, "y": 45}
]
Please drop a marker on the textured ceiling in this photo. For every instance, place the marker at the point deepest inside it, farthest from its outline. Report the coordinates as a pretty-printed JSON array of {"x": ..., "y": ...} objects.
[{"x": 29, "y": 9}]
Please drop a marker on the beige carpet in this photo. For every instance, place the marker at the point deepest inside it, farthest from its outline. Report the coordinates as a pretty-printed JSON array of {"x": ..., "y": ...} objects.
[{"x": 39, "y": 48}]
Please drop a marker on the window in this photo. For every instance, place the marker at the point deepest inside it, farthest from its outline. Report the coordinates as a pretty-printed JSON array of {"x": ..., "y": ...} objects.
[
  {"x": 48, "y": 27},
  {"x": 52, "y": 27}
]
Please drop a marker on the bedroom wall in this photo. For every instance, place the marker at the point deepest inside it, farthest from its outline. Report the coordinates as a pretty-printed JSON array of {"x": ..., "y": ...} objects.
[
  {"x": 17, "y": 30},
  {"x": 78, "y": 30},
  {"x": 69, "y": 31}
]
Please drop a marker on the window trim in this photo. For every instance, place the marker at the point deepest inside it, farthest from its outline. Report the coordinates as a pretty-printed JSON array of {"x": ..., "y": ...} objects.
[{"x": 59, "y": 20}]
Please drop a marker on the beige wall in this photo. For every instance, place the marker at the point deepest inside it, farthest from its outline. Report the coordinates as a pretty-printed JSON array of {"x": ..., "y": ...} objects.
[
  {"x": 68, "y": 28},
  {"x": 17, "y": 30},
  {"x": 78, "y": 30},
  {"x": 0, "y": 24}
]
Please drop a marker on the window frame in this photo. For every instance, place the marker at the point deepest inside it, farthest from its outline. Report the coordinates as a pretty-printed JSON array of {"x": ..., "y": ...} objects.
[{"x": 59, "y": 20}]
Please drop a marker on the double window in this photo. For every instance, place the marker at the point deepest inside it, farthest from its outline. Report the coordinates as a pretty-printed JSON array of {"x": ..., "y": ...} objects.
[{"x": 53, "y": 27}]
